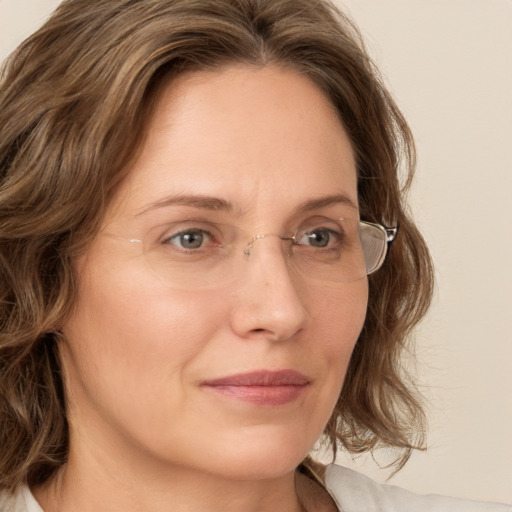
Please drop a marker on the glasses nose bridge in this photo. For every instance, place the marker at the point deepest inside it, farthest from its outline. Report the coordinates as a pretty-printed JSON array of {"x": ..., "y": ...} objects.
[{"x": 247, "y": 248}]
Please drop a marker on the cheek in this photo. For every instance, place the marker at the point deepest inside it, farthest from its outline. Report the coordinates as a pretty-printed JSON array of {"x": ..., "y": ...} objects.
[
  {"x": 133, "y": 338},
  {"x": 339, "y": 319},
  {"x": 340, "y": 315}
]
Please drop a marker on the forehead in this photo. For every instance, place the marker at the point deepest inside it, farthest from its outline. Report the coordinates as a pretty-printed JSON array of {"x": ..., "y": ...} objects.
[{"x": 260, "y": 138}]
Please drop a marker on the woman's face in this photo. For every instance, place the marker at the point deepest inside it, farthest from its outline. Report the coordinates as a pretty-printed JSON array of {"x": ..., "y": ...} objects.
[{"x": 159, "y": 368}]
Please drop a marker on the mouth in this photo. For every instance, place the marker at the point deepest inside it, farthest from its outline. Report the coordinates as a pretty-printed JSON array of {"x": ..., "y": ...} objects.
[{"x": 262, "y": 387}]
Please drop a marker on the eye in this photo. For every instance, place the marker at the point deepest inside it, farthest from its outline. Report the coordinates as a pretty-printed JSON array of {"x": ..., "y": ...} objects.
[
  {"x": 320, "y": 237},
  {"x": 190, "y": 239}
]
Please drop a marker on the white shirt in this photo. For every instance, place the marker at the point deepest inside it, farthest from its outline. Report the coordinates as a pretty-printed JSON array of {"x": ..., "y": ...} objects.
[
  {"x": 352, "y": 492},
  {"x": 355, "y": 492}
]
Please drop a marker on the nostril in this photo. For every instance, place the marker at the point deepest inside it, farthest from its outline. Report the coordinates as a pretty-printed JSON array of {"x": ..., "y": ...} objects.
[{"x": 266, "y": 333}]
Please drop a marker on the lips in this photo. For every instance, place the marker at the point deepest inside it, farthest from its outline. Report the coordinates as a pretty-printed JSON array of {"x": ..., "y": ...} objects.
[{"x": 264, "y": 387}]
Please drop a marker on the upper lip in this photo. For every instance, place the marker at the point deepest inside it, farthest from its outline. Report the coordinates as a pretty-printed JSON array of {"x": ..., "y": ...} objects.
[{"x": 261, "y": 378}]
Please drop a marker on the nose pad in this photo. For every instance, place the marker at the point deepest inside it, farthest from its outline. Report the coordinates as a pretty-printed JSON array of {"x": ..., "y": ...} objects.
[{"x": 250, "y": 243}]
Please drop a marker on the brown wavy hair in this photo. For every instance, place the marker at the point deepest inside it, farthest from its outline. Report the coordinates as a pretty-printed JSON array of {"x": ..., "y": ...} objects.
[{"x": 74, "y": 101}]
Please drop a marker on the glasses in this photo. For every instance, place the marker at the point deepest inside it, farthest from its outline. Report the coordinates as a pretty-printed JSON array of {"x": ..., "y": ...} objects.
[{"x": 200, "y": 254}]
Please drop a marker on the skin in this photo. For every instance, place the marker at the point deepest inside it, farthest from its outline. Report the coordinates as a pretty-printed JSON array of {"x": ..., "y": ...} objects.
[{"x": 145, "y": 434}]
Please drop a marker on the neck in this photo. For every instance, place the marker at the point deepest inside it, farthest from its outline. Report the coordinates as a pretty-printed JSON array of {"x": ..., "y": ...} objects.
[
  {"x": 64, "y": 492},
  {"x": 107, "y": 472},
  {"x": 81, "y": 487}
]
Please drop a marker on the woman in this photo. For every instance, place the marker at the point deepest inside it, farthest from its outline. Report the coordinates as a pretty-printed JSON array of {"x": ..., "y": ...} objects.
[{"x": 192, "y": 196}]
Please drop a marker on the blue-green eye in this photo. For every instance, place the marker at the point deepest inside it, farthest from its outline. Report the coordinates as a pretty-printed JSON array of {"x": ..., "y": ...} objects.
[
  {"x": 190, "y": 239},
  {"x": 319, "y": 237}
]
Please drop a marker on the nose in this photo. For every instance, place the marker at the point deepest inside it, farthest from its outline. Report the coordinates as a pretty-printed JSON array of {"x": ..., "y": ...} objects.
[{"x": 268, "y": 303}]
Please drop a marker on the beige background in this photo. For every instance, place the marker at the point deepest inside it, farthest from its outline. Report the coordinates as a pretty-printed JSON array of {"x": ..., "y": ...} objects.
[{"x": 449, "y": 64}]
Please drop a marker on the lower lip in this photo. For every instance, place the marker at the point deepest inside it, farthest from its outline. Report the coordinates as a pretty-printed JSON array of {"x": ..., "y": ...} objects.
[{"x": 270, "y": 396}]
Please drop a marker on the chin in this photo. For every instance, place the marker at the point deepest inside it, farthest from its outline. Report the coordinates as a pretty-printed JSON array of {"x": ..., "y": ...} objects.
[{"x": 265, "y": 458}]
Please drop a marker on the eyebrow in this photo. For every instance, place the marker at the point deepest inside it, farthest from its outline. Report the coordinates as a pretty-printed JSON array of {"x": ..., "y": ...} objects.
[
  {"x": 195, "y": 201},
  {"x": 218, "y": 204},
  {"x": 323, "y": 202}
]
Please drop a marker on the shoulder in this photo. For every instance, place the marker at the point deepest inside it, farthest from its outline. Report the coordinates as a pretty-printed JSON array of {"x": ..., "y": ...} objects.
[
  {"x": 355, "y": 492},
  {"x": 19, "y": 501}
]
